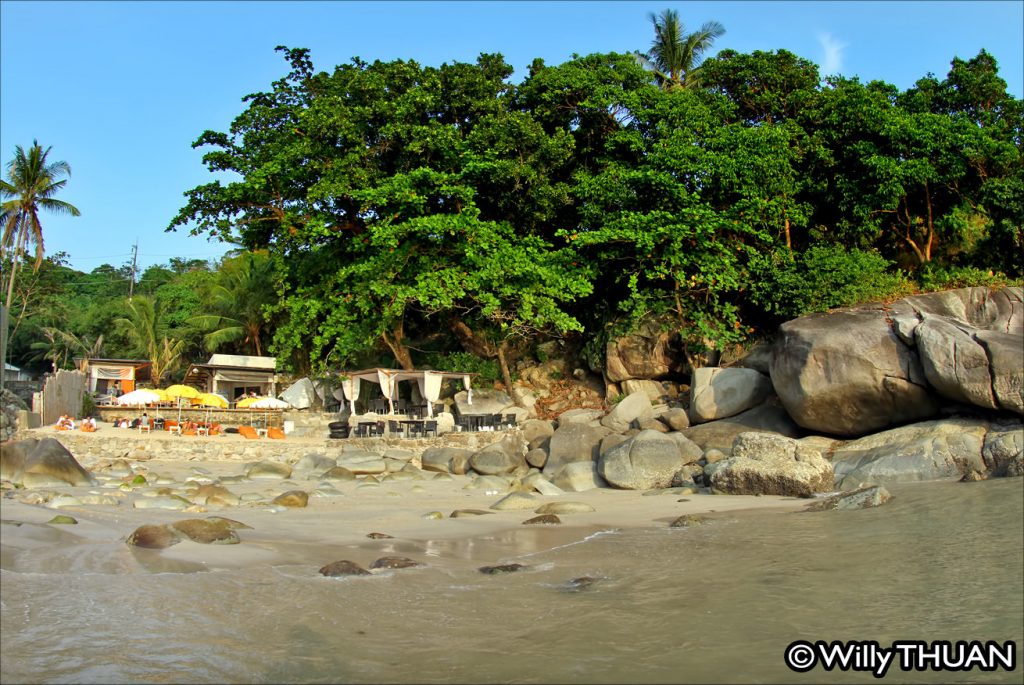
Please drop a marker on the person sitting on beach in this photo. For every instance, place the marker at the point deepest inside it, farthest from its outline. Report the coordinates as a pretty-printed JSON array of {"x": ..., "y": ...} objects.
[
  {"x": 89, "y": 424},
  {"x": 64, "y": 423}
]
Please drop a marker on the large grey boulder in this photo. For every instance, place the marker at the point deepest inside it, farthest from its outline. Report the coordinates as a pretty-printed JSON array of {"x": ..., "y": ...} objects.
[
  {"x": 856, "y": 371},
  {"x": 535, "y": 431},
  {"x": 572, "y": 443},
  {"x": 635, "y": 407},
  {"x": 848, "y": 373},
  {"x": 590, "y": 417},
  {"x": 769, "y": 417},
  {"x": 41, "y": 463},
  {"x": 647, "y": 460},
  {"x": 439, "y": 459},
  {"x": 501, "y": 458},
  {"x": 1003, "y": 450},
  {"x": 578, "y": 476},
  {"x": 767, "y": 464},
  {"x": 929, "y": 450},
  {"x": 717, "y": 393},
  {"x": 654, "y": 390},
  {"x": 648, "y": 353},
  {"x": 484, "y": 402}
]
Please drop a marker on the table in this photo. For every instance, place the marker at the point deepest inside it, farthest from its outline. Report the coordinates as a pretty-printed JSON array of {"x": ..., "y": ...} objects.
[
  {"x": 409, "y": 423},
  {"x": 474, "y": 422}
]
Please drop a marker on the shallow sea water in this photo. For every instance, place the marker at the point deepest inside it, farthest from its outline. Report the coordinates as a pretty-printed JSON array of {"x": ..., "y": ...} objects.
[{"x": 713, "y": 603}]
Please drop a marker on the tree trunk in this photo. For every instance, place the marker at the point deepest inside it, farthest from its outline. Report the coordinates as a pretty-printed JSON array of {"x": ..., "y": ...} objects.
[
  {"x": 473, "y": 343},
  {"x": 397, "y": 347},
  {"x": 506, "y": 375}
]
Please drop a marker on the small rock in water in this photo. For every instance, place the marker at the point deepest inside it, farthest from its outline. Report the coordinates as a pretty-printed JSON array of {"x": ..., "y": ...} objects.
[
  {"x": 564, "y": 508},
  {"x": 293, "y": 498},
  {"x": 579, "y": 584},
  {"x": 395, "y": 562},
  {"x": 433, "y": 515},
  {"x": 379, "y": 536},
  {"x": 973, "y": 476},
  {"x": 343, "y": 568},
  {"x": 461, "y": 513},
  {"x": 63, "y": 518},
  {"x": 862, "y": 498},
  {"x": 153, "y": 537},
  {"x": 502, "y": 568},
  {"x": 206, "y": 531},
  {"x": 230, "y": 523},
  {"x": 687, "y": 521},
  {"x": 548, "y": 519}
]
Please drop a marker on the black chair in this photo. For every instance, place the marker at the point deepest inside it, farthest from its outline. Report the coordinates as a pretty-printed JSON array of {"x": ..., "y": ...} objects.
[
  {"x": 415, "y": 429},
  {"x": 510, "y": 420},
  {"x": 430, "y": 427},
  {"x": 379, "y": 428},
  {"x": 394, "y": 428}
]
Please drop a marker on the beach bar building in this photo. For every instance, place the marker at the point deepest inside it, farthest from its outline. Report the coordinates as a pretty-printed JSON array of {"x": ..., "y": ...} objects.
[
  {"x": 233, "y": 375},
  {"x": 104, "y": 374}
]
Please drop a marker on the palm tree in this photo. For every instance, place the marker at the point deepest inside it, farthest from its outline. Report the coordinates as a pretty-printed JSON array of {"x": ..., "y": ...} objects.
[
  {"x": 30, "y": 187},
  {"x": 143, "y": 329},
  {"x": 245, "y": 284},
  {"x": 675, "y": 56}
]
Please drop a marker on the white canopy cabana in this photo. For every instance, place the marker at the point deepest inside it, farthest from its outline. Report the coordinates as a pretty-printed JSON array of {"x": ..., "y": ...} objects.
[{"x": 428, "y": 382}]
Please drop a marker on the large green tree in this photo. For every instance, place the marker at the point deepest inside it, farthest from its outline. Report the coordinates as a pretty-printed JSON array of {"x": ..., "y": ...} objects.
[{"x": 30, "y": 186}]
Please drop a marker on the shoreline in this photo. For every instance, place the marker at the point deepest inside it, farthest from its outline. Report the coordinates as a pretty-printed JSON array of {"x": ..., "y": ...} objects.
[{"x": 338, "y": 516}]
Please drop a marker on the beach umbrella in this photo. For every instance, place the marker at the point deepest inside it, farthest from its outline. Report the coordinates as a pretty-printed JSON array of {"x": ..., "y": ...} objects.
[
  {"x": 139, "y": 398},
  {"x": 268, "y": 403},
  {"x": 209, "y": 399},
  {"x": 182, "y": 391},
  {"x": 245, "y": 402}
]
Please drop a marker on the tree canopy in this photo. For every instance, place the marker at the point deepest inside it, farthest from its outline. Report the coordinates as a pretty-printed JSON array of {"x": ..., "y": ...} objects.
[{"x": 395, "y": 213}]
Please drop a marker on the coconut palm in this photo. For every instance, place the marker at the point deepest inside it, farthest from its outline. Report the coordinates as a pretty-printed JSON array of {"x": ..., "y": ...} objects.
[
  {"x": 30, "y": 186},
  {"x": 675, "y": 56},
  {"x": 245, "y": 283},
  {"x": 143, "y": 328}
]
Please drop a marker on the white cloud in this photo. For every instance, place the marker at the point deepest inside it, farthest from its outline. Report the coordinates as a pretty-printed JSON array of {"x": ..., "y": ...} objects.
[{"x": 832, "y": 57}]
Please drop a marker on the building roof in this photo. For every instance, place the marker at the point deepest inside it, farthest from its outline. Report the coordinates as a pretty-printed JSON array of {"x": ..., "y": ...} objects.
[
  {"x": 112, "y": 362},
  {"x": 242, "y": 361}
]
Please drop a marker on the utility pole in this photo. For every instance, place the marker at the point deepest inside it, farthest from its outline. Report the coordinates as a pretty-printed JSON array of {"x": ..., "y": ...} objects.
[{"x": 135, "y": 256}]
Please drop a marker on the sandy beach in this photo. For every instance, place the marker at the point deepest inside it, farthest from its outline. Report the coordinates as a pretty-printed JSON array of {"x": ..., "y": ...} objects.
[{"x": 415, "y": 509}]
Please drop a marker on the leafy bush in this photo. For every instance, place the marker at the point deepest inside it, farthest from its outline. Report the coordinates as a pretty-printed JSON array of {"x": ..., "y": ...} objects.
[
  {"x": 932, "y": 277},
  {"x": 465, "y": 362},
  {"x": 88, "y": 405},
  {"x": 822, "y": 278}
]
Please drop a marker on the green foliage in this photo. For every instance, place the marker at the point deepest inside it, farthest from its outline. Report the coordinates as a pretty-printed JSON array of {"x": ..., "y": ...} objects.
[
  {"x": 934, "y": 278},
  {"x": 465, "y": 362},
  {"x": 822, "y": 278},
  {"x": 388, "y": 207},
  {"x": 88, "y": 406}
]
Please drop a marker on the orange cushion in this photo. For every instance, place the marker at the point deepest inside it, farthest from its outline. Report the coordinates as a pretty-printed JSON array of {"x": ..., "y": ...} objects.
[
  {"x": 248, "y": 432},
  {"x": 275, "y": 433}
]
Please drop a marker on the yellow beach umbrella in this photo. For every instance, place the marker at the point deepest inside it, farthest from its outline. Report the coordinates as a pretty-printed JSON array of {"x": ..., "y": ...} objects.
[
  {"x": 208, "y": 399},
  {"x": 182, "y": 391},
  {"x": 245, "y": 402}
]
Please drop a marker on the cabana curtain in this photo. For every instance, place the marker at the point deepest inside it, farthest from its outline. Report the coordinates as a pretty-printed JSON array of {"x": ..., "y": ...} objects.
[{"x": 428, "y": 382}]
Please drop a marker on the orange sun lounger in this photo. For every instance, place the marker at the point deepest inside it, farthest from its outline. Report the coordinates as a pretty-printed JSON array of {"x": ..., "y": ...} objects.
[{"x": 248, "y": 432}]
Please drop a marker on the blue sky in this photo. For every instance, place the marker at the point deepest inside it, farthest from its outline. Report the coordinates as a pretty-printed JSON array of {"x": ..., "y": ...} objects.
[{"x": 121, "y": 89}]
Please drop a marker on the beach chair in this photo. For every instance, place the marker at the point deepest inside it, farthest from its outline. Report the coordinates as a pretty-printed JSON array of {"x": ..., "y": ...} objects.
[
  {"x": 430, "y": 427},
  {"x": 275, "y": 433},
  {"x": 248, "y": 432}
]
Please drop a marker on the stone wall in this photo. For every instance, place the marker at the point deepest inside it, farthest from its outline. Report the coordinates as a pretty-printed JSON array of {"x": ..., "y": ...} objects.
[{"x": 120, "y": 443}]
